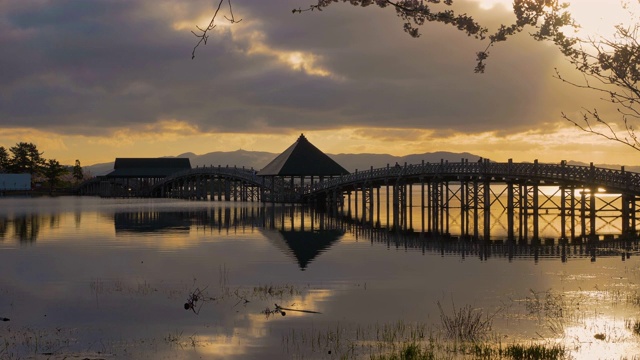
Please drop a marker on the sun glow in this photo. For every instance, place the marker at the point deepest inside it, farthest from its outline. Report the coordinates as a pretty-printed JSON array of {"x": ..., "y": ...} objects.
[
  {"x": 595, "y": 17},
  {"x": 295, "y": 60}
]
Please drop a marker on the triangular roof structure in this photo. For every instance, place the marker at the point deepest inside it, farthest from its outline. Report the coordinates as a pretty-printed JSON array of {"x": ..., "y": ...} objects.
[
  {"x": 303, "y": 159},
  {"x": 148, "y": 167}
]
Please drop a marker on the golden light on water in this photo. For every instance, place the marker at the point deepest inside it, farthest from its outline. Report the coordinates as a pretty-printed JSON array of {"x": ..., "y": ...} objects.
[{"x": 602, "y": 337}]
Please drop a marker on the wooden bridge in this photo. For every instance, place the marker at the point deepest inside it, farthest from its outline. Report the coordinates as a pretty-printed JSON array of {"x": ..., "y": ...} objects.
[
  {"x": 583, "y": 198},
  {"x": 583, "y": 195}
]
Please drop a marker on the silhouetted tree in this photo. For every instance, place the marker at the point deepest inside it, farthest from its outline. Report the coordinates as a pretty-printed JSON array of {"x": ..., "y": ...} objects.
[
  {"x": 611, "y": 67},
  {"x": 52, "y": 172},
  {"x": 77, "y": 171},
  {"x": 4, "y": 160},
  {"x": 25, "y": 159}
]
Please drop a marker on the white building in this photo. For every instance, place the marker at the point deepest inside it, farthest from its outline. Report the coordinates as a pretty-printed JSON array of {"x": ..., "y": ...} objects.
[{"x": 15, "y": 182}]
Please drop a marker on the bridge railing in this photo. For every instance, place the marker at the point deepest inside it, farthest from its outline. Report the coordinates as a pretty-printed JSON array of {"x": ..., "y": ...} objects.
[
  {"x": 585, "y": 175},
  {"x": 248, "y": 175}
]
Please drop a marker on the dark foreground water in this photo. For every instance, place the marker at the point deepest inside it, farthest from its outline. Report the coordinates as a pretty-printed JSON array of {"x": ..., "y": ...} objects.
[{"x": 110, "y": 279}]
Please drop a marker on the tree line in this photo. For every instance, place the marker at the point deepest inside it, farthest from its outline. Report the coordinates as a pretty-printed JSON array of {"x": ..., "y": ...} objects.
[{"x": 25, "y": 158}]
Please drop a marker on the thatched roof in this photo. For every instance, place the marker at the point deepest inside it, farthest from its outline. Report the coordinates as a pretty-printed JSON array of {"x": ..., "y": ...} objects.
[
  {"x": 148, "y": 167},
  {"x": 303, "y": 159}
]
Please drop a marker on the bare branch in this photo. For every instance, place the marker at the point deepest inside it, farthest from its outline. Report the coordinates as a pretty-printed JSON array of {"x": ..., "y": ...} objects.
[{"x": 203, "y": 34}]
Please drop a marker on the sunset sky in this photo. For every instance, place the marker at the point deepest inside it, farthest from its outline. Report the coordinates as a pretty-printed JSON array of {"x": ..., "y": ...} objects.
[{"x": 100, "y": 79}]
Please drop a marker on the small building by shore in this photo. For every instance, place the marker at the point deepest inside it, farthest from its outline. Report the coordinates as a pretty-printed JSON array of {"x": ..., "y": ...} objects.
[{"x": 15, "y": 183}]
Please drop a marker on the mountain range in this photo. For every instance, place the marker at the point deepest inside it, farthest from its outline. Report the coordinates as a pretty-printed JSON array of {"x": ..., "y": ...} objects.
[{"x": 258, "y": 159}]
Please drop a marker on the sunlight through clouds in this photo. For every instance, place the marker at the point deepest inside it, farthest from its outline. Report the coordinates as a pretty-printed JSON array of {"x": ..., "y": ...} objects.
[
  {"x": 257, "y": 44},
  {"x": 296, "y": 60}
]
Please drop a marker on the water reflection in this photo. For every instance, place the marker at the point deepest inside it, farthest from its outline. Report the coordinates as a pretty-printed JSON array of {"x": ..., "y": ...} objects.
[
  {"x": 132, "y": 223},
  {"x": 484, "y": 250},
  {"x": 303, "y": 246},
  {"x": 26, "y": 228},
  {"x": 107, "y": 270},
  {"x": 304, "y": 233}
]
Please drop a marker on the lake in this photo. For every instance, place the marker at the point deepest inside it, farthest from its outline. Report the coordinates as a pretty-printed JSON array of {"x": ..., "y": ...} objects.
[{"x": 100, "y": 278}]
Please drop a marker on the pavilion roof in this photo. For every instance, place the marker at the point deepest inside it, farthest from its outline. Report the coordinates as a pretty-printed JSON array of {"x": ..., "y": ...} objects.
[
  {"x": 303, "y": 159},
  {"x": 148, "y": 167}
]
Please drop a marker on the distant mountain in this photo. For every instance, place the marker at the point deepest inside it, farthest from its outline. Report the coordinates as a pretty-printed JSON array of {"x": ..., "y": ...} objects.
[
  {"x": 607, "y": 166},
  {"x": 258, "y": 159}
]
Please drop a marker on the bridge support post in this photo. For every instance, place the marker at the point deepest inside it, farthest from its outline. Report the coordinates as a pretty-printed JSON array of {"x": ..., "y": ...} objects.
[
  {"x": 447, "y": 199},
  {"x": 227, "y": 189},
  {"x": 464, "y": 208},
  {"x": 510, "y": 211},
  {"x": 567, "y": 203},
  {"x": 592, "y": 215},
  {"x": 626, "y": 212},
  {"x": 536, "y": 212},
  {"x": 434, "y": 205},
  {"x": 524, "y": 212},
  {"x": 410, "y": 218},
  {"x": 378, "y": 206},
  {"x": 422, "y": 201},
  {"x": 429, "y": 206},
  {"x": 487, "y": 210},
  {"x": 370, "y": 190},
  {"x": 476, "y": 207},
  {"x": 356, "y": 204}
]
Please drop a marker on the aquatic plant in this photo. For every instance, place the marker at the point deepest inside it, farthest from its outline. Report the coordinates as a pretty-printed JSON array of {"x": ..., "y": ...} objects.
[
  {"x": 410, "y": 351},
  {"x": 534, "y": 351},
  {"x": 466, "y": 323},
  {"x": 633, "y": 325}
]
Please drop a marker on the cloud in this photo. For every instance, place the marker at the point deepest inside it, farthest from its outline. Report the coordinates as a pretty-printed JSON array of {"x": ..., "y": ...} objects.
[{"x": 117, "y": 68}]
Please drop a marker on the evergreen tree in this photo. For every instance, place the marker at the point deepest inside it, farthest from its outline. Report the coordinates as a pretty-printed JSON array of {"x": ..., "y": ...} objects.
[
  {"x": 26, "y": 159},
  {"x": 52, "y": 172},
  {"x": 78, "y": 174},
  {"x": 4, "y": 160}
]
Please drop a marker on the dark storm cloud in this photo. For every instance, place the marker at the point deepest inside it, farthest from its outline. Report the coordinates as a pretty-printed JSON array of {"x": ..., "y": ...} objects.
[{"x": 90, "y": 66}]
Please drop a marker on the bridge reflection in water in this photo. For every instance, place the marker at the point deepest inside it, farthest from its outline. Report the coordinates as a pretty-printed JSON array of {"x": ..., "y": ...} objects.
[
  {"x": 548, "y": 222},
  {"x": 303, "y": 233}
]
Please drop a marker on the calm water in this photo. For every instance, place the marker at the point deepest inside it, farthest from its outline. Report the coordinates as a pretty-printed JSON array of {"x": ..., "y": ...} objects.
[{"x": 97, "y": 278}]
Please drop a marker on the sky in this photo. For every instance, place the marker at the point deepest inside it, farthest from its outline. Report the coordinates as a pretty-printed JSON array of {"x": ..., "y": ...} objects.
[{"x": 92, "y": 80}]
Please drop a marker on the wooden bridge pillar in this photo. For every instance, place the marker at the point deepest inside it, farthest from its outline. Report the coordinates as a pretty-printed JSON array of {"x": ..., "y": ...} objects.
[
  {"x": 409, "y": 218},
  {"x": 487, "y": 209},
  {"x": 447, "y": 198},
  {"x": 627, "y": 202},
  {"x": 429, "y": 206},
  {"x": 510, "y": 211},
  {"x": 536, "y": 212},
  {"x": 227, "y": 189},
  {"x": 592, "y": 214},
  {"x": 524, "y": 212},
  {"x": 356, "y": 204},
  {"x": 378, "y": 206},
  {"x": 476, "y": 208},
  {"x": 387, "y": 202},
  {"x": 422, "y": 201},
  {"x": 583, "y": 212},
  {"x": 370, "y": 191},
  {"x": 435, "y": 206},
  {"x": 464, "y": 207}
]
